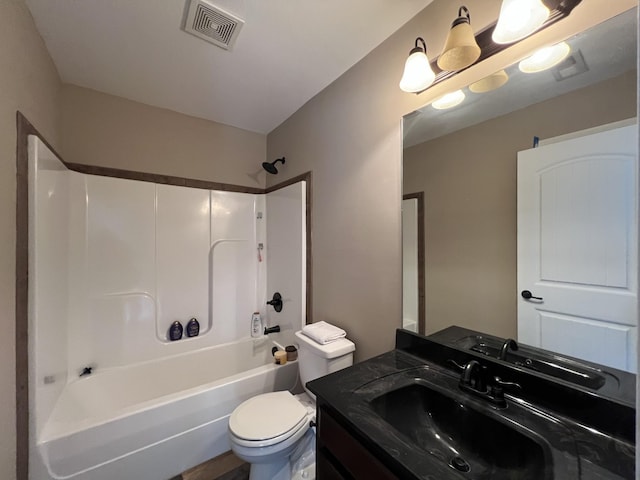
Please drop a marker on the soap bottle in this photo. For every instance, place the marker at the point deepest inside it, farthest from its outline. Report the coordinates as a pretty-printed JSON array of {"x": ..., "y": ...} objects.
[
  {"x": 193, "y": 328},
  {"x": 256, "y": 325},
  {"x": 175, "y": 332}
]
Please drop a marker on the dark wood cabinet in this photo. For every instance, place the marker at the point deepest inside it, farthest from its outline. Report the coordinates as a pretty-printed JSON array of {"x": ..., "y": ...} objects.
[{"x": 340, "y": 456}]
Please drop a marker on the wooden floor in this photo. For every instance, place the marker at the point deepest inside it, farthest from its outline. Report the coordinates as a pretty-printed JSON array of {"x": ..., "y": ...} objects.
[{"x": 225, "y": 467}]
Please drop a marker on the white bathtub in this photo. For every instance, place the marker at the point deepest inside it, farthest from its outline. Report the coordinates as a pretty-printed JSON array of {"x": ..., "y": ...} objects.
[{"x": 154, "y": 420}]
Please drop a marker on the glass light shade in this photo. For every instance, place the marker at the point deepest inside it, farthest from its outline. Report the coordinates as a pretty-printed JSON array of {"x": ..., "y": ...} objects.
[
  {"x": 418, "y": 74},
  {"x": 493, "y": 81},
  {"x": 519, "y": 19},
  {"x": 460, "y": 49},
  {"x": 545, "y": 58},
  {"x": 449, "y": 100}
]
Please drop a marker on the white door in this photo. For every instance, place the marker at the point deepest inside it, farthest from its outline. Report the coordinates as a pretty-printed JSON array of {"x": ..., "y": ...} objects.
[{"x": 577, "y": 247}]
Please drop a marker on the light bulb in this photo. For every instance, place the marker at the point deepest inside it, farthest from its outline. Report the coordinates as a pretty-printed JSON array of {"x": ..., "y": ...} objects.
[
  {"x": 449, "y": 100},
  {"x": 461, "y": 49},
  {"x": 545, "y": 58},
  {"x": 418, "y": 74},
  {"x": 493, "y": 81},
  {"x": 519, "y": 19}
]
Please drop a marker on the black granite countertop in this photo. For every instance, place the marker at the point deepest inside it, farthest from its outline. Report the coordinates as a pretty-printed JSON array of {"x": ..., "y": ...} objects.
[
  {"x": 615, "y": 384},
  {"x": 573, "y": 448}
]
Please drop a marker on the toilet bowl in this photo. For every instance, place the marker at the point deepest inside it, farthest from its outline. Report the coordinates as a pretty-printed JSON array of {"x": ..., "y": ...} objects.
[{"x": 267, "y": 429}]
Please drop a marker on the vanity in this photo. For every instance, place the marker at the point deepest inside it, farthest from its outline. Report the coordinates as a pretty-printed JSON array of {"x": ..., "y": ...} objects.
[{"x": 451, "y": 406}]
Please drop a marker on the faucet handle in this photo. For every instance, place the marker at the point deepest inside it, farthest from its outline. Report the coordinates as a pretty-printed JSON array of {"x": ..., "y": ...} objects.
[
  {"x": 456, "y": 364},
  {"x": 502, "y": 383}
]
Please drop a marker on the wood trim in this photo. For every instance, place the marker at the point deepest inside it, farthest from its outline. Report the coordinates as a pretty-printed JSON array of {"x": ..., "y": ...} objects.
[
  {"x": 160, "y": 179},
  {"x": 419, "y": 196},
  {"x": 309, "y": 255},
  {"x": 304, "y": 177},
  {"x": 24, "y": 128}
]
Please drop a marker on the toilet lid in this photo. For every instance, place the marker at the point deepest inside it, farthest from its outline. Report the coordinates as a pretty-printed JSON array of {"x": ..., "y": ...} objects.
[{"x": 267, "y": 416}]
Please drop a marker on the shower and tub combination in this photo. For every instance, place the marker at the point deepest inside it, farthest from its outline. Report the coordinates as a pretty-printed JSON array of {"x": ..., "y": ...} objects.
[{"x": 113, "y": 264}]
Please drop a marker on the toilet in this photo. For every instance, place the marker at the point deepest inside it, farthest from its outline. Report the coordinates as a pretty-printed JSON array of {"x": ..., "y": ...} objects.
[{"x": 268, "y": 430}]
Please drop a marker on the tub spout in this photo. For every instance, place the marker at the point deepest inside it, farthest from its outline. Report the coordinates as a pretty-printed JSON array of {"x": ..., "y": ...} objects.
[
  {"x": 86, "y": 371},
  {"x": 274, "y": 329}
]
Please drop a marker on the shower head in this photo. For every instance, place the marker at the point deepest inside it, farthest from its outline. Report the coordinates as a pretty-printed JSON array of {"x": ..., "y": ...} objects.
[{"x": 271, "y": 166}]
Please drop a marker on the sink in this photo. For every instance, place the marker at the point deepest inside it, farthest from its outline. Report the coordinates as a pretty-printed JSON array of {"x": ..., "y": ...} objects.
[
  {"x": 564, "y": 369},
  {"x": 482, "y": 444}
]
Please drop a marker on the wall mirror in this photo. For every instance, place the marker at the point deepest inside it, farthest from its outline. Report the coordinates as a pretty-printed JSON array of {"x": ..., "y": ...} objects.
[{"x": 462, "y": 230}]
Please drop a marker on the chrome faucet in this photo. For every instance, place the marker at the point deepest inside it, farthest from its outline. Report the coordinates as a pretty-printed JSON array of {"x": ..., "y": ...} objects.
[{"x": 509, "y": 343}]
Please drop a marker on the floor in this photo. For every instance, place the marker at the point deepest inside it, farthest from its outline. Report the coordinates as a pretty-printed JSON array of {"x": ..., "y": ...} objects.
[
  {"x": 239, "y": 473},
  {"x": 225, "y": 467}
]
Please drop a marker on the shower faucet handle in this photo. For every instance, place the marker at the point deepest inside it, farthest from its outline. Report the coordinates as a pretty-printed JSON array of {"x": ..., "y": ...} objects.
[{"x": 276, "y": 302}]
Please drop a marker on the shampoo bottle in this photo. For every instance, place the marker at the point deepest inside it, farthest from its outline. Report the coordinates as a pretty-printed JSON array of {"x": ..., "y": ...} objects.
[
  {"x": 175, "y": 331},
  {"x": 256, "y": 325},
  {"x": 193, "y": 328}
]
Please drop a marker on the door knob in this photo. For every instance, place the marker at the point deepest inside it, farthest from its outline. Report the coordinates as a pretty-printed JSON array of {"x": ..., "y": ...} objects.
[{"x": 527, "y": 295}]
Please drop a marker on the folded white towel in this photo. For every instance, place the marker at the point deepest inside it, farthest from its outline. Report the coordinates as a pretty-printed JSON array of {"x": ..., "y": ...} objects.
[{"x": 323, "y": 332}]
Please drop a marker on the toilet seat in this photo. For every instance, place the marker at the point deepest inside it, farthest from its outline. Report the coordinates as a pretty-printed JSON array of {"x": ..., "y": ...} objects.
[{"x": 267, "y": 419}]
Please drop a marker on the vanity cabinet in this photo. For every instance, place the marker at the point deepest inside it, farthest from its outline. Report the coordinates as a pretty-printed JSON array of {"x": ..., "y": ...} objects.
[{"x": 340, "y": 456}]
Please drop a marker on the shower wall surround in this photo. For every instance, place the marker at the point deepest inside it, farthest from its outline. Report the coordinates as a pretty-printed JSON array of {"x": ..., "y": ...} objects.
[
  {"x": 146, "y": 255},
  {"x": 115, "y": 262},
  {"x": 50, "y": 268}
]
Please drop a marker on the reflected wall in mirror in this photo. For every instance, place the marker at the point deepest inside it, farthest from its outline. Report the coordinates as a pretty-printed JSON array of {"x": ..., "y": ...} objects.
[{"x": 465, "y": 161}]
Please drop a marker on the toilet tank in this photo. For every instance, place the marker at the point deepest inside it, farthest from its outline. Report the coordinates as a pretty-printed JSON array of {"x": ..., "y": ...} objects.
[{"x": 316, "y": 360}]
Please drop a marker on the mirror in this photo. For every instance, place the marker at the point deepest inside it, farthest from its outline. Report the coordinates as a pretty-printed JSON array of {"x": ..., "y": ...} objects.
[{"x": 464, "y": 163}]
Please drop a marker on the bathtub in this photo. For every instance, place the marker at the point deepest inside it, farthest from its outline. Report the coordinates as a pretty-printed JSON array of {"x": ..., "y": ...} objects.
[{"x": 154, "y": 420}]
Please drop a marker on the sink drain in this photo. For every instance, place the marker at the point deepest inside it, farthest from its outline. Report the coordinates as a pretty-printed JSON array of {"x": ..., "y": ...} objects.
[{"x": 460, "y": 464}]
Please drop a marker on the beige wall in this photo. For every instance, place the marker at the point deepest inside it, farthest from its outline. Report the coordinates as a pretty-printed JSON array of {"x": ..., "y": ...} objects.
[
  {"x": 349, "y": 135},
  {"x": 28, "y": 82},
  {"x": 109, "y": 131},
  {"x": 89, "y": 127},
  {"x": 469, "y": 180}
]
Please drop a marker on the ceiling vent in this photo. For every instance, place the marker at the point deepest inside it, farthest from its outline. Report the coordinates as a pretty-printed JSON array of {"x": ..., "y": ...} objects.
[
  {"x": 570, "y": 67},
  {"x": 211, "y": 23}
]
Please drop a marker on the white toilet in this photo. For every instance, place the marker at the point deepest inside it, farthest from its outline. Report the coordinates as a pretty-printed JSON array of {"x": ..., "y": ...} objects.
[{"x": 266, "y": 429}]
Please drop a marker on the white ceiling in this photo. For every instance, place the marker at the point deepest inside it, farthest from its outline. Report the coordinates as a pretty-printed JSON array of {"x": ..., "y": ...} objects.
[{"x": 287, "y": 52}]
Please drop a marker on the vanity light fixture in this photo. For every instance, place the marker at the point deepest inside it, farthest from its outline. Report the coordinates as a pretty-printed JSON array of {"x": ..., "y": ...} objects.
[
  {"x": 545, "y": 58},
  {"x": 492, "y": 82},
  {"x": 519, "y": 19},
  {"x": 449, "y": 100},
  {"x": 418, "y": 74},
  {"x": 460, "y": 49}
]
